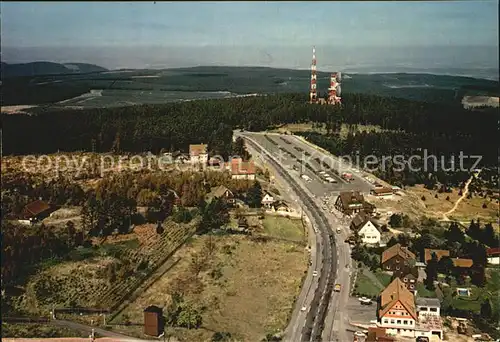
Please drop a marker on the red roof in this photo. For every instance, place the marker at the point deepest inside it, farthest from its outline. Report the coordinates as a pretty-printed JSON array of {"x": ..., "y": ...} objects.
[
  {"x": 493, "y": 251},
  {"x": 34, "y": 208},
  {"x": 239, "y": 167},
  {"x": 197, "y": 149}
]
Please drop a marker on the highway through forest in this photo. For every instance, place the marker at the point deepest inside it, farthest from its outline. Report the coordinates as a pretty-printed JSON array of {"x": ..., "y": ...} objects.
[{"x": 325, "y": 317}]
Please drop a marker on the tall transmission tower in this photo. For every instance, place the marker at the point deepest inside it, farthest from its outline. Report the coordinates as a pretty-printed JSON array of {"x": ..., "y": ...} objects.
[
  {"x": 334, "y": 90},
  {"x": 313, "y": 98}
]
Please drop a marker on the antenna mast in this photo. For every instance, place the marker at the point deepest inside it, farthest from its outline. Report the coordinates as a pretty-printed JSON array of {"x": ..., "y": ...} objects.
[{"x": 312, "y": 95}]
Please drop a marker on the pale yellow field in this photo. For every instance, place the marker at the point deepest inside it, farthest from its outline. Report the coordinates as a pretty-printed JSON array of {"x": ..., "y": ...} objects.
[{"x": 254, "y": 296}]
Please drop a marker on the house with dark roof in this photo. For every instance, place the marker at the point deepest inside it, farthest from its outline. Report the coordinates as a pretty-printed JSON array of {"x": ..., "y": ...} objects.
[
  {"x": 281, "y": 206},
  {"x": 397, "y": 259},
  {"x": 409, "y": 277},
  {"x": 35, "y": 211},
  {"x": 366, "y": 228},
  {"x": 221, "y": 192},
  {"x": 382, "y": 192},
  {"x": 352, "y": 202}
]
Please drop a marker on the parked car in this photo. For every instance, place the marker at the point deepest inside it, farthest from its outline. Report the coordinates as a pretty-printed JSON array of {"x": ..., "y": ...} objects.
[
  {"x": 337, "y": 287},
  {"x": 365, "y": 301}
]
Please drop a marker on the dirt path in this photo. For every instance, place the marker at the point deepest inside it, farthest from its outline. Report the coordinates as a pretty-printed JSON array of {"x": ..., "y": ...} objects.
[{"x": 464, "y": 194}]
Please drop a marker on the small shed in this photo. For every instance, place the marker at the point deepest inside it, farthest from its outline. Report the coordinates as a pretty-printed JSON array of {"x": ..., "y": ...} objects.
[
  {"x": 35, "y": 211},
  {"x": 153, "y": 321}
]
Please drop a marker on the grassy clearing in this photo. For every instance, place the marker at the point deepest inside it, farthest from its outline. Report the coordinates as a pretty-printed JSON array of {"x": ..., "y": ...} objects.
[
  {"x": 384, "y": 278},
  {"x": 100, "y": 275},
  {"x": 423, "y": 292},
  {"x": 366, "y": 287},
  {"x": 467, "y": 208},
  {"x": 247, "y": 290},
  {"x": 411, "y": 204},
  {"x": 283, "y": 228},
  {"x": 308, "y": 127}
]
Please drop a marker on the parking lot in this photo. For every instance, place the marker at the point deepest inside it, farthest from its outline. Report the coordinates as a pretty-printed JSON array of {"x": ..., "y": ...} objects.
[{"x": 361, "y": 314}]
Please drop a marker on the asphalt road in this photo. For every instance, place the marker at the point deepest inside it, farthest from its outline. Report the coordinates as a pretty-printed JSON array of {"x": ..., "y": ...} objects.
[{"x": 326, "y": 317}]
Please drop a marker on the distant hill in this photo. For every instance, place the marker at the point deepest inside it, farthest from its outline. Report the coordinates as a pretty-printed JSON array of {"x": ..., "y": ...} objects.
[{"x": 47, "y": 68}]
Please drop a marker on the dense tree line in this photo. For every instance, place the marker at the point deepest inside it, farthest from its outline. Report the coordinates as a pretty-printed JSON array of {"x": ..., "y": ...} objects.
[
  {"x": 24, "y": 90},
  {"x": 425, "y": 169},
  {"x": 176, "y": 125},
  {"x": 453, "y": 240},
  {"x": 485, "y": 235},
  {"x": 24, "y": 246}
]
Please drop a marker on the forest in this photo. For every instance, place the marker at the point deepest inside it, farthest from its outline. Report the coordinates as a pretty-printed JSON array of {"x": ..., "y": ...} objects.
[
  {"x": 173, "y": 126},
  {"x": 110, "y": 208}
]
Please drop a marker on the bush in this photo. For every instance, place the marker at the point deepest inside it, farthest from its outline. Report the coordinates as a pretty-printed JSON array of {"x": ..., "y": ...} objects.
[
  {"x": 395, "y": 220},
  {"x": 221, "y": 336},
  {"x": 182, "y": 215}
]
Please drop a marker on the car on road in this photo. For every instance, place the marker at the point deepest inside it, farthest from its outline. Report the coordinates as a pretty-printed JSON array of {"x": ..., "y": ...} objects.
[
  {"x": 315, "y": 273},
  {"x": 359, "y": 334},
  {"x": 337, "y": 287},
  {"x": 304, "y": 308},
  {"x": 365, "y": 301},
  {"x": 338, "y": 230}
]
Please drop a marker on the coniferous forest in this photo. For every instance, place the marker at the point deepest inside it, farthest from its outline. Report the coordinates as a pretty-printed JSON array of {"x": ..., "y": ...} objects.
[{"x": 441, "y": 129}]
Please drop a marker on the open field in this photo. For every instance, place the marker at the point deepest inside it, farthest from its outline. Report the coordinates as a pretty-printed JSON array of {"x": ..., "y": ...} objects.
[
  {"x": 130, "y": 97},
  {"x": 423, "y": 292},
  {"x": 411, "y": 203},
  {"x": 248, "y": 289},
  {"x": 283, "y": 228},
  {"x": 15, "y": 109},
  {"x": 308, "y": 127},
  {"x": 366, "y": 287}
]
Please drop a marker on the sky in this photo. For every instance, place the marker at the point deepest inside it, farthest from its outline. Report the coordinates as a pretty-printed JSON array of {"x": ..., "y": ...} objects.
[{"x": 167, "y": 34}]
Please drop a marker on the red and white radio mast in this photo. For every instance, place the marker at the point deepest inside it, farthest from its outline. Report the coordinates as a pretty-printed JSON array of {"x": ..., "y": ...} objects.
[
  {"x": 334, "y": 90},
  {"x": 312, "y": 95}
]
